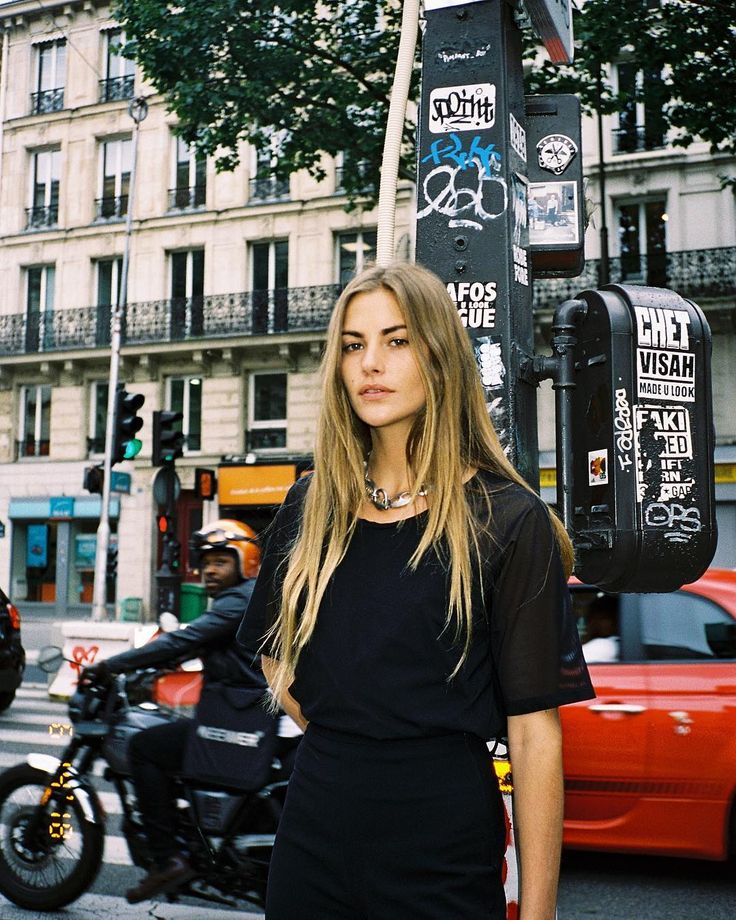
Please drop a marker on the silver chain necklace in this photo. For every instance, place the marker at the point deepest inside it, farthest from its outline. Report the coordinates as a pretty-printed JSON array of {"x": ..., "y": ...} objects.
[{"x": 380, "y": 497}]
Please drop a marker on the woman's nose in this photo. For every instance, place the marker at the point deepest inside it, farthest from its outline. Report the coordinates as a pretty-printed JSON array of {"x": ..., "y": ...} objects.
[{"x": 372, "y": 357}]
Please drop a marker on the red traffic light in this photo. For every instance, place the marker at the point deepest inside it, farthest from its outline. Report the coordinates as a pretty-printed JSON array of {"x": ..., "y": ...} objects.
[{"x": 163, "y": 523}]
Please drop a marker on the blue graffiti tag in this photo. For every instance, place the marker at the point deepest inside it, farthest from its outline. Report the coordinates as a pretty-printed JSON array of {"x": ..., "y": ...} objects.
[{"x": 488, "y": 157}]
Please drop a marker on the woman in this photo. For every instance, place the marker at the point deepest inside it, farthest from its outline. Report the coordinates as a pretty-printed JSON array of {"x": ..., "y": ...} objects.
[{"x": 413, "y": 597}]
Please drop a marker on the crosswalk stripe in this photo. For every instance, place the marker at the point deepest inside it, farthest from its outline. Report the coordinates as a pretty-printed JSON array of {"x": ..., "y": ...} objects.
[
  {"x": 18, "y": 736},
  {"x": 106, "y": 905},
  {"x": 32, "y": 717},
  {"x": 13, "y": 758}
]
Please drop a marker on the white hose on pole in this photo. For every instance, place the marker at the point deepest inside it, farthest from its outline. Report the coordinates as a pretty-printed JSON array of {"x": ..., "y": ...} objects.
[{"x": 394, "y": 133}]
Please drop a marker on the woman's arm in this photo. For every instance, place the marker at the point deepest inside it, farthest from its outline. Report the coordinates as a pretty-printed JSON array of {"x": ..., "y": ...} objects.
[
  {"x": 286, "y": 701},
  {"x": 535, "y": 751}
]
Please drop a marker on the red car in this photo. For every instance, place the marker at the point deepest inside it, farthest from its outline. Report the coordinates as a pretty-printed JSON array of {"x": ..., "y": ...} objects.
[{"x": 650, "y": 765}]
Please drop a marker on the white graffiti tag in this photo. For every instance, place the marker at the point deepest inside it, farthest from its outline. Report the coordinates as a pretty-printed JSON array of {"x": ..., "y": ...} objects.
[
  {"x": 466, "y": 205},
  {"x": 681, "y": 522}
]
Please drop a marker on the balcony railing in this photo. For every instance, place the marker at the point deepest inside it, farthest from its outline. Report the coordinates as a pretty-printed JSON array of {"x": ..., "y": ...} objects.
[
  {"x": 40, "y": 217},
  {"x": 635, "y": 138},
  {"x": 113, "y": 89},
  {"x": 268, "y": 188},
  {"x": 187, "y": 198},
  {"x": 305, "y": 309},
  {"x": 112, "y": 208},
  {"x": 47, "y": 100},
  {"x": 361, "y": 168},
  {"x": 697, "y": 273}
]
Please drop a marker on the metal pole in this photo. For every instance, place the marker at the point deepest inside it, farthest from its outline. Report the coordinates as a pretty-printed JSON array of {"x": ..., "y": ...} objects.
[
  {"x": 138, "y": 109},
  {"x": 604, "y": 274}
]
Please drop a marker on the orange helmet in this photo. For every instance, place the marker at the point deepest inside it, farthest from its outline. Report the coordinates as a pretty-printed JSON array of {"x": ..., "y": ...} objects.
[{"x": 232, "y": 536}]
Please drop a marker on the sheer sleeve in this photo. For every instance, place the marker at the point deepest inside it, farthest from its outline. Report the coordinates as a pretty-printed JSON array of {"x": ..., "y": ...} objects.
[
  {"x": 265, "y": 603},
  {"x": 535, "y": 643}
]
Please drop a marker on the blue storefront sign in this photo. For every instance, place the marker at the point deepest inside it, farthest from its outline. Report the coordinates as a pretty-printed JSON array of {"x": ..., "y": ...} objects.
[{"x": 61, "y": 507}]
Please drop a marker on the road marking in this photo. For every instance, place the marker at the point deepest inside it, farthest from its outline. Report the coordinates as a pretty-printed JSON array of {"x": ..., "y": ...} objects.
[{"x": 95, "y": 906}]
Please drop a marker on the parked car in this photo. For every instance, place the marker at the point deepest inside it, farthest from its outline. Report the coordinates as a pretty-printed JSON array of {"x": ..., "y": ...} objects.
[
  {"x": 650, "y": 765},
  {"x": 12, "y": 654}
]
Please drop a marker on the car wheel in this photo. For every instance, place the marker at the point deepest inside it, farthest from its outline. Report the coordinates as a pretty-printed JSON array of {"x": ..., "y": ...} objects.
[{"x": 6, "y": 699}]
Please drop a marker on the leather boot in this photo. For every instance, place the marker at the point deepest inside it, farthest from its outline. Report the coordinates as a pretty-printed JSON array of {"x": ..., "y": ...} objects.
[{"x": 174, "y": 873}]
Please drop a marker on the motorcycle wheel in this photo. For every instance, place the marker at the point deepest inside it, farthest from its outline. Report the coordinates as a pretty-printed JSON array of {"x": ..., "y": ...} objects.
[{"x": 61, "y": 863}]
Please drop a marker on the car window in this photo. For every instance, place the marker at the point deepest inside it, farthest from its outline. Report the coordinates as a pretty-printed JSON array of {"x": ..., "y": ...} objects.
[
  {"x": 682, "y": 625},
  {"x": 597, "y": 616}
]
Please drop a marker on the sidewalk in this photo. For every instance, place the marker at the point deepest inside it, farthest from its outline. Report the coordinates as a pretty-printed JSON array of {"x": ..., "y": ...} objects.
[{"x": 101, "y": 907}]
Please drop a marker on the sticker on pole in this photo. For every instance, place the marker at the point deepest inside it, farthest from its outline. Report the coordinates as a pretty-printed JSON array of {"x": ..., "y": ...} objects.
[
  {"x": 462, "y": 108},
  {"x": 597, "y": 467}
]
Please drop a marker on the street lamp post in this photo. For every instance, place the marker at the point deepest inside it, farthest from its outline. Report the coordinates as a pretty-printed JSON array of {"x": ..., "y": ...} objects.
[{"x": 137, "y": 109}]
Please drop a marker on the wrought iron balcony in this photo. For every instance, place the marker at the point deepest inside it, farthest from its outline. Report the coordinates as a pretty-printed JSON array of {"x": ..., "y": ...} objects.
[
  {"x": 635, "y": 138},
  {"x": 187, "y": 198},
  {"x": 111, "y": 208},
  {"x": 696, "y": 273},
  {"x": 268, "y": 188},
  {"x": 45, "y": 216},
  {"x": 113, "y": 89},
  {"x": 361, "y": 168},
  {"x": 47, "y": 100},
  {"x": 305, "y": 309}
]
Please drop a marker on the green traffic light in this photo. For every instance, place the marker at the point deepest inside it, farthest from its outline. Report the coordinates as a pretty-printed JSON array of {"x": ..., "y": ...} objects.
[{"x": 132, "y": 448}]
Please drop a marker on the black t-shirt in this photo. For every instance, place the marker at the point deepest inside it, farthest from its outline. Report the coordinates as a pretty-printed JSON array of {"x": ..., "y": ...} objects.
[{"x": 380, "y": 657}]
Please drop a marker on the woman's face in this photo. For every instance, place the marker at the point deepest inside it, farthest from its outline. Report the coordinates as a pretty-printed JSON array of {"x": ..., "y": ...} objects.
[{"x": 379, "y": 368}]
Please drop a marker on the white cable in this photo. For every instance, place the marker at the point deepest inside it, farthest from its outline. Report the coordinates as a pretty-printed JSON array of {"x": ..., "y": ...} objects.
[{"x": 394, "y": 133}]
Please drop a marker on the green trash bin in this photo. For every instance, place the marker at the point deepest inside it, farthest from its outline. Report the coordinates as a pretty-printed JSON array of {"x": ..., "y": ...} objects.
[
  {"x": 192, "y": 603},
  {"x": 131, "y": 609}
]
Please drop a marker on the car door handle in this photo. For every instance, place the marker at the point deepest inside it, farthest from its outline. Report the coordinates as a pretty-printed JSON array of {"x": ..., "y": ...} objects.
[{"x": 617, "y": 707}]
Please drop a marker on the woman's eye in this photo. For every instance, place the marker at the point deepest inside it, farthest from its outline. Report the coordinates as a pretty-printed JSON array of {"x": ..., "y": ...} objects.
[
  {"x": 350, "y": 346},
  {"x": 398, "y": 342}
]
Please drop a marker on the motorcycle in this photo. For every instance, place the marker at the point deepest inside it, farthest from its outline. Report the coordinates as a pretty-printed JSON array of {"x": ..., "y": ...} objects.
[{"x": 53, "y": 825}]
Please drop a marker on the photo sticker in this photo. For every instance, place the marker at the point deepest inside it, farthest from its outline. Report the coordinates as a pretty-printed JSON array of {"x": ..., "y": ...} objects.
[{"x": 597, "y": 467}]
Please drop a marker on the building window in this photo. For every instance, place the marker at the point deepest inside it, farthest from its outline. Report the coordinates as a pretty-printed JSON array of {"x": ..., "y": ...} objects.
[
  {"x": 264, "y": 186},
  {"x": 44, "y": 209},
  {"x": 642, "y": 238},
  {"x": 116, "y": 164},
  {"x": 270, "y": 286},
  {"x": 49, "y": 82},
  {"x": 98, "y": 417},
  {"x": 109, "y": 274},
  {"x": 354, "y": 252},
  {"x": 348, "y": 164},
  {"x": 185, "y": 396},
  {"x": 35, "y": 421},
  {"x": 190, "y": 179},
  {"x": 641, "y": 124},
  {"x": 267, "y": 411},
  {"x": 39, "y": 306},
  {"x": 119, "y": 71},
  {"x": 187, "y": 293}
]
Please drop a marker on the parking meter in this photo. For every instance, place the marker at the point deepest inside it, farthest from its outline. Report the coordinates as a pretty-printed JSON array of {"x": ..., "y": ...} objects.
[{"x": 643, "y": 482}]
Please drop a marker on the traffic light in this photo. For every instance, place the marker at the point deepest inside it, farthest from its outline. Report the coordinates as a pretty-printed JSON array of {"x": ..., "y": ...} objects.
[
  {"x": 168, "y": 438},
  {"x": 111, "y": 569},
  {"x": 93, "y": 479},
  {"x": 205, "y": 484},
  {"x": 125, "y": 444}
]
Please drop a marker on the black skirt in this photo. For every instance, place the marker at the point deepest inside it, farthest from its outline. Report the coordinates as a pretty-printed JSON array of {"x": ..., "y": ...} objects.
[{"x": 387, "y": 830}]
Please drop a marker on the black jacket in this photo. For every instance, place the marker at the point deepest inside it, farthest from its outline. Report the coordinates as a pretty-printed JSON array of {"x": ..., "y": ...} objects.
[{"x": 211, "y": 637}]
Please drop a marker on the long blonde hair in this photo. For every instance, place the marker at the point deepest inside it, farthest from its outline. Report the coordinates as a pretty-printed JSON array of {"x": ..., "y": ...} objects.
[{"x": 455, "y": 418}]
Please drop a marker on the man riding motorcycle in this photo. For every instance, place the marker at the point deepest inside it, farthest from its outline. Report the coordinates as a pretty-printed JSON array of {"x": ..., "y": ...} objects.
[{"x": 228, "y": 555}]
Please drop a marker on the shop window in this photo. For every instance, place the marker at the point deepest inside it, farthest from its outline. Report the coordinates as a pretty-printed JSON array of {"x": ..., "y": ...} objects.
[
  {"x": 185, "y": 396},
  {"x": 35, "y": 564},
  {"x": 267, "y": 411},
  {"x": 35, "y": 421},
  {"x": 354, "y": 252}
]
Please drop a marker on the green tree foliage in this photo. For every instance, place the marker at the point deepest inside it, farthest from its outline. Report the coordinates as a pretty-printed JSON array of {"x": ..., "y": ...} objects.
[
  {"x": 690, "y": 44},
  {"x": 314, "y": 77},
  {"x": 306, "y": 78}
]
